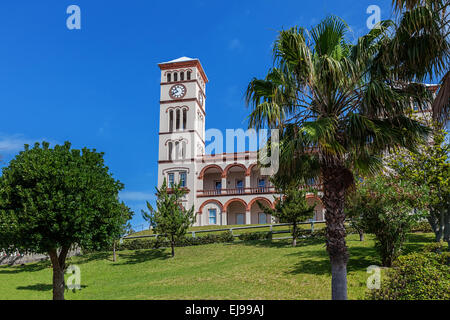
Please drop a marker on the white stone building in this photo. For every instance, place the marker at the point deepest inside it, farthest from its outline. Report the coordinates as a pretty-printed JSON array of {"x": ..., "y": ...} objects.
[{"x": 224, "y": 188}]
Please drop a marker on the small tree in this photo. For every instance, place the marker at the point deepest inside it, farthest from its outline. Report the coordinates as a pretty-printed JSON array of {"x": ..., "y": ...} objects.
[
  {"x": 429, "y": 168},
  {"x": 355, "y": 215},
  {"x": 387, "y": 207},
  {"x": 170, "y": 219},
  {"x": 291, "y": 207},
  {"x": 53, "y": 199}
]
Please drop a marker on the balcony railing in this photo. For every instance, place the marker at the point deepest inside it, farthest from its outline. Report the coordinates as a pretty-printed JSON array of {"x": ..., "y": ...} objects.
[
  {"x": 236, "y": 191},
  {"x": 243, "y": 191}
]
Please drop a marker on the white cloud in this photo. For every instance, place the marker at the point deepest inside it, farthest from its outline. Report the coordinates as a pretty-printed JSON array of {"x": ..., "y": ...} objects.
[
  {"x": 11, "y": 144},
  {"x": 14, "y": 143}
]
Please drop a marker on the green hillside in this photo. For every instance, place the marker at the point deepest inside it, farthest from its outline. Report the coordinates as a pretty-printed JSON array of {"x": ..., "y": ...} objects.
[{"x": 252, "y": 270}]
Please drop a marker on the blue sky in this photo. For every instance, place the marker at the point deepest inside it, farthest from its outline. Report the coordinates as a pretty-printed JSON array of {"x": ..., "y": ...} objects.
[{"x": 99, "y": 86}]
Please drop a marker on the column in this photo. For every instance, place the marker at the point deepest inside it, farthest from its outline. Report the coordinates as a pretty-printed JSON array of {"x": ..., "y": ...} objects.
[
  {"x": 224, "y": 218},
  {"x": 247, "y": 182},
  {"x": 248, "y": 217},
  {"x": 224, "y": 185}
]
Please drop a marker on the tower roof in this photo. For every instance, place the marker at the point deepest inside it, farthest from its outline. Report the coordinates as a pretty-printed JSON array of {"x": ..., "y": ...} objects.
[
  {"x": 182, "y": 59},
  {"x": 184, "y": 62}
]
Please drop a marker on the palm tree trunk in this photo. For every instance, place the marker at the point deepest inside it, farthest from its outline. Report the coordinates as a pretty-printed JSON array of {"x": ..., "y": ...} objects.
[{"x": 335, "y": 183}]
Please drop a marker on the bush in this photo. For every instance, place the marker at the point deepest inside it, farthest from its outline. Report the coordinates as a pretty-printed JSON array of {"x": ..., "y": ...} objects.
[
  {"x": 435, "y": 247},
  {"x": 319, "y": 233},
  {"x": 416, "y": 276},
  {"x": 249, "y": 236},
  {"x": 421, "y": 226},
  {"x": 160, "y": 242},
  {"x": 383, "y": 205}
]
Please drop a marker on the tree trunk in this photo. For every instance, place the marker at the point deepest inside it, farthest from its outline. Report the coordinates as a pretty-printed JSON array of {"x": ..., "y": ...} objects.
[
  {"x": 434, "y": 223},
  {"x": 294, "y": 234},
  {"x": 361, "y": 235},
  {"x": 172, "y": 243},
  {"x": 447, "y": 228},
  {"x": 114, "y": 251},
  {"x": 441, "y": 230},
  {"x": 59, "y": 267},
  {"x": 336, "y": 180},
  {"x": 338, "y": 278}
]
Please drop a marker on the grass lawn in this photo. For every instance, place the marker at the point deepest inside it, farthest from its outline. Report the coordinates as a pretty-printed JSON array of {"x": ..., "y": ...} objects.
[{"x": 252, "y": 270}]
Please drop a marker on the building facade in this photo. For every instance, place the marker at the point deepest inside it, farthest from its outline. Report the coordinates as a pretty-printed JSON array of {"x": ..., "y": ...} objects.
[{"x": 223, "y": 188}]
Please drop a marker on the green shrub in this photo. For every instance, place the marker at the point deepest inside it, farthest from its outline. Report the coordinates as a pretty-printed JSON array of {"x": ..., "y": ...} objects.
[
  {"x": 155, "y": 243},
  {"x": 249, "y": 236},
  {"x": 416, "y": 276},
  {"x": 421, "y": 226},
  {"x": 319, "y": 233},
  {"x": 435, "y": 247}
]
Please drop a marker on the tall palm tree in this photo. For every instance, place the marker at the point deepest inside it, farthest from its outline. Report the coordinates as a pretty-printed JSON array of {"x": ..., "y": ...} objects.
[
  {"x": 338, "y": 108},
  {"x": 420, "y": 48}
]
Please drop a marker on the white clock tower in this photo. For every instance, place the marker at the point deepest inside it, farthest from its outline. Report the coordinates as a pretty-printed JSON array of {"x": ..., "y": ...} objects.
[{"x": 181, "y": 122}]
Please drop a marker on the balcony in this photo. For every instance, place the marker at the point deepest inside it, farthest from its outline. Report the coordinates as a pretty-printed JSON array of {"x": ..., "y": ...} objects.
[{"x": 236, "y": 191}]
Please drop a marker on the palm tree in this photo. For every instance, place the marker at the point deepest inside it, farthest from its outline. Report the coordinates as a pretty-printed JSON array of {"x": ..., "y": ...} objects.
[
  {"x": 420, "y": 48},
  {"x": 338, "y": 108}
]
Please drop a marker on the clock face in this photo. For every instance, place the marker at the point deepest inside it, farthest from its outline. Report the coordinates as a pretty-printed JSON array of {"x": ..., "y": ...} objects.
[{"x": 177, "y": 91}]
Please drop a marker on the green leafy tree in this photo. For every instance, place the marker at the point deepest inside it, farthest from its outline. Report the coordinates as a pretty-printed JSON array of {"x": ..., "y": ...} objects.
[
  {"x": 338, "y": 108},
  {"x": 388, "y": 207},
  {"x": 171, "y": 219},
  {"x": 429, "y": 167},
  {"x": 53, "y": 199},
  {"x": 291, "y": 207},
  {"x": 420, "y": 48}
]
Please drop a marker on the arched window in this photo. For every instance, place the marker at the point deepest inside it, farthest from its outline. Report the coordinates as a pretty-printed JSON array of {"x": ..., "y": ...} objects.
[
  {"x": 177, "y": 150},
  {"x": 169, "y": 77},
  {"x": 170, "y": 120},
  {"x": 170, "y": 151},
  {"x": 177, "y": 121},
  {"x": 184, "y": 118},
  {"x": 183, "y": 150},
  {"x": 188, "y": 75},
  {"x": 181, "y": 76},
  {"x": 175, "y": 76}
]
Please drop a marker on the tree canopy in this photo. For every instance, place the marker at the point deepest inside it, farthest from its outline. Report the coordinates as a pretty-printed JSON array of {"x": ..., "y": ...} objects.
[{"x": 52, "y": 199}]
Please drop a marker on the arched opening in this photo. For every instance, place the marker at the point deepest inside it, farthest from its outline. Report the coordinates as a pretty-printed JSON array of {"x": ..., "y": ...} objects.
[
  {"x": 170, "y": 148},
  {"x": 212, "y": 180},
  {"x": 235, "y": 178},
  {"x": 236, "y": 212},
  {"x": 257, "y": 214},
  {"x": 184, "y": 119},
  {"x": 175, "y": 77},
  {"x": 170, "y": 120},
  {"x": 211, "y": 213},
  {"x": 181, "y": 76},
  {"x": 177, "y": 150},
  {"x": 188, "y": 75},
  {"x": 177, "y": 121},
  {"x": 169, "y": 77}
]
